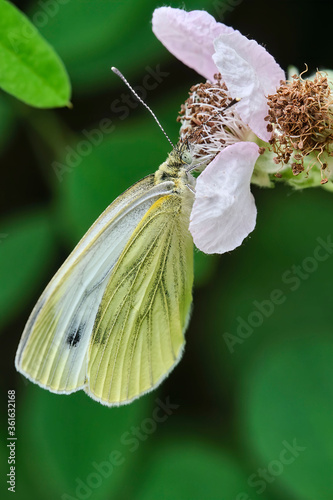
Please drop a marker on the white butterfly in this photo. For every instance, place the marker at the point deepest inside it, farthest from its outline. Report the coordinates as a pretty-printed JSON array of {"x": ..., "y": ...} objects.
[{"x": 112, "y": 320}]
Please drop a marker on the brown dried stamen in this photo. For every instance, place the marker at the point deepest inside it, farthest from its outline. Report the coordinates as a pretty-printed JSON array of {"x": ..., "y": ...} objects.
[
  {"x": 301, "y": 121},
  {"x": 205, "y": 121}
]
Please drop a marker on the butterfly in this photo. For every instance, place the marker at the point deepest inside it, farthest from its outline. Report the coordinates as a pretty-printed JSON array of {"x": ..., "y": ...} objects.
[{"x": 112, "y": 320}]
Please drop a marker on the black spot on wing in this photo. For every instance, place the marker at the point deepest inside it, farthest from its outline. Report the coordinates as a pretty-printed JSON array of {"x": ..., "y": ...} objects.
[{"x": 74, "y": 336}]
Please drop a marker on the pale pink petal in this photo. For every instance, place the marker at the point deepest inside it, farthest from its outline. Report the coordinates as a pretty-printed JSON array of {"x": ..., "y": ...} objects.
[
  {"x": 224, "y": 212},
  {"x": 189, "y": 36},
  {"x": 249, "y": 72}
]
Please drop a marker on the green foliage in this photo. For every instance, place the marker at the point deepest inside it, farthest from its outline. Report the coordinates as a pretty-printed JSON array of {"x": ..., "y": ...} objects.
[
  {"x": 71, "y": 450},
  {"x": 298, "y": 417},
  {"x": 29, "y": 68},
  {"x": 192, "y": 470},
  {"x": 26, "y": 250}
]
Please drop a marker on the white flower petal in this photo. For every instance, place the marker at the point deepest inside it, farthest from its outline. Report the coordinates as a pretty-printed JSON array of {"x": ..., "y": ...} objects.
[
  {"x": 249, "y": 72},
  {"x": 189, "y": 36},
  {"x": 224, "y": 212}
]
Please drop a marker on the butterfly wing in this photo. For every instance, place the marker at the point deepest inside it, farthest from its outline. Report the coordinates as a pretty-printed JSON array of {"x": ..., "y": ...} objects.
[
  {"x": 54, "y": 345},
  {"x": 138, "y": 335}
]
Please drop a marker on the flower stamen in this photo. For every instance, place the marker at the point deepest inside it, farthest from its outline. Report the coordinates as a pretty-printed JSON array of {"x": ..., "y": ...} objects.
[
  {"x": 300, "y": 118},
  {"x": 207, "y": 122}
]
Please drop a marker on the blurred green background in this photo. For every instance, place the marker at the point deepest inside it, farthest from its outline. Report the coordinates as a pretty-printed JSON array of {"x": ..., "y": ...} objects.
[{"x": 249, "y": 421}]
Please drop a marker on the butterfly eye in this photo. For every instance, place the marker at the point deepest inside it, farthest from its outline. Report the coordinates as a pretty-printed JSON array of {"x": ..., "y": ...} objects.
[{"x": 187, "y": 157}]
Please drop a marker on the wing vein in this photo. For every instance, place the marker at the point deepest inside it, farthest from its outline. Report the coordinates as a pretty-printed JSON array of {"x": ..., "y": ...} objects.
[
  {"x": 107, "y": 334},
  {"x": 120, "y": 260},
  {"x": 149, "y": 313}
]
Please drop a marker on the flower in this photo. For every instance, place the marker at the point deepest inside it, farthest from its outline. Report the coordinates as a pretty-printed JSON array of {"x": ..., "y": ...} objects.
[{"x": 223, "y": 212}]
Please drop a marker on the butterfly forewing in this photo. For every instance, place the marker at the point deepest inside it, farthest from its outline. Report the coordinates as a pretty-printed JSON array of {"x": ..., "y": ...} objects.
[
  {"x": 138, "y": 334},
  {"x": 54, "y": 345}
]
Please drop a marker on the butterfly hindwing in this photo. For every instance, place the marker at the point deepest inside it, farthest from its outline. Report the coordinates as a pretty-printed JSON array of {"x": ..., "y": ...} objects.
[
  {"x": 55, "y": 343},
  {"x": 138, "y": 334}
]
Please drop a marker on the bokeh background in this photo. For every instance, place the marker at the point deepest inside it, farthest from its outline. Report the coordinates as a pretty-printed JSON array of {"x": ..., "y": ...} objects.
[{"x": 249, "y": 422}]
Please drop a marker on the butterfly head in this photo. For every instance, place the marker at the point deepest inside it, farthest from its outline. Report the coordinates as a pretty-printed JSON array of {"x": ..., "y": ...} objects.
[
  {"x": 183, "y": 153},
  {"x": 176, "y": 165},
  {"x": 186, "y": 157}
]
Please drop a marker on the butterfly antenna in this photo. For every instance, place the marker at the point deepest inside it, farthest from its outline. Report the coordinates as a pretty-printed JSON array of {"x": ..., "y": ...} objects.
[{"x": 117, "y": 72}]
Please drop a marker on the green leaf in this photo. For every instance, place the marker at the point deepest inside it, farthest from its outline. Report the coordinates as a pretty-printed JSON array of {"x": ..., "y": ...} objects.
[
  {"x": 287, "y": 408},
  {"x": 26, "y": 250},
  {"x": 29, "y": 68}
]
